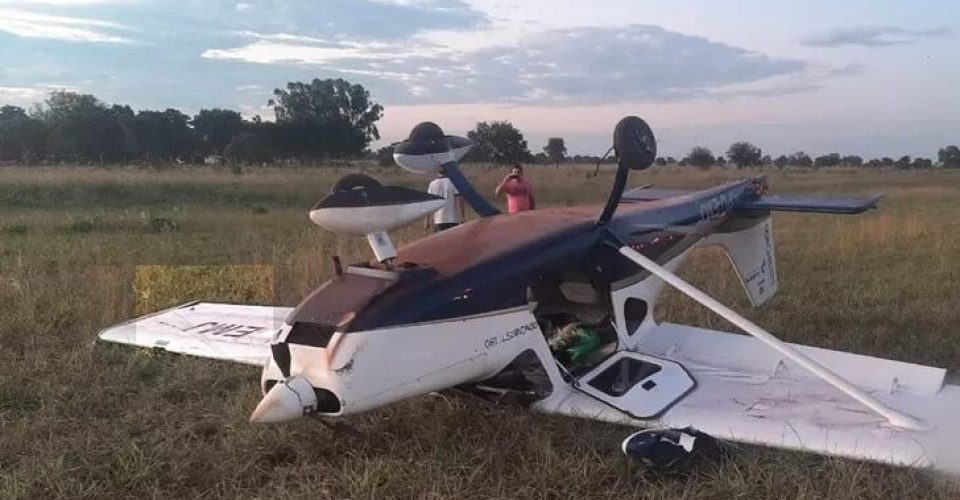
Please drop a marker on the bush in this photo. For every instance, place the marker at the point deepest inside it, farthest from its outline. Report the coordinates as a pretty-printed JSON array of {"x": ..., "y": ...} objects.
[
  {"x": 700, "y": 157},
  {"x": 157, "y": 224},
  {"x": 13, "y": 229},
  {"x": 85, "y": 224}
]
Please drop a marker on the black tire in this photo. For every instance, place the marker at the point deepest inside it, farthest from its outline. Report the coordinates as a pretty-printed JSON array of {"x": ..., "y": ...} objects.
[
  {"x": 354, "y": 181},
  {"x": 635, "y": 144}
]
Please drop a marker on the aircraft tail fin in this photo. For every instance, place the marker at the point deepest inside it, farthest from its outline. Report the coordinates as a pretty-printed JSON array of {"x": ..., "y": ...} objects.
[{"x": 749, "y": 245}]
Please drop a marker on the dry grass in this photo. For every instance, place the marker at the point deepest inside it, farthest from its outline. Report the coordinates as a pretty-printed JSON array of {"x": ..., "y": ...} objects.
[{"x": 78, "y": 419}]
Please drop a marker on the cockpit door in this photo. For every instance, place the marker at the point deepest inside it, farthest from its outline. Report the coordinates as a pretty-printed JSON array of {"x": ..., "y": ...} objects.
[{"x": 641, "y": 386}]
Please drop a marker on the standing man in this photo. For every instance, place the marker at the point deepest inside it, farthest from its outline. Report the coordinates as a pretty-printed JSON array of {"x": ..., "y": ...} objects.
[
  {"x": 451, "y": 214},
  {"x": 519, "y": 191}
]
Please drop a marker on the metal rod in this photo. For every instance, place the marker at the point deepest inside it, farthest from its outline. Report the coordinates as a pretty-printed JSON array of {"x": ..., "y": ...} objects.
[
  {"x": 894, "y": 417},
  {"x": 478, "y": 203},
  {"x": 619, "y": 183}
]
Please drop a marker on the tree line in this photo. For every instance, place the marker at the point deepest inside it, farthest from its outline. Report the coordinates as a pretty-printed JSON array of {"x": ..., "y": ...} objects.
[
  {"x": 318, "y": 120},
  {"x": 500, "y": 142},
  {"x": 745, "y": 154}
]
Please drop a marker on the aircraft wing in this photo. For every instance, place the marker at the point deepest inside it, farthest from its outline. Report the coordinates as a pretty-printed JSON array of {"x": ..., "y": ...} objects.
[
  {"x": 746, "y": 392},
  {"x": 238, "y": 333}
]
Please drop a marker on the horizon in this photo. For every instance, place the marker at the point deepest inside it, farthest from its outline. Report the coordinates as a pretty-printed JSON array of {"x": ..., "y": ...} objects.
[{"x": 872, "y": 79}]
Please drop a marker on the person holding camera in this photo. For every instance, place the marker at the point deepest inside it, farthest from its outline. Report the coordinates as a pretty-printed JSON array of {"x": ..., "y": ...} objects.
[{"x": 519, "y": 191}]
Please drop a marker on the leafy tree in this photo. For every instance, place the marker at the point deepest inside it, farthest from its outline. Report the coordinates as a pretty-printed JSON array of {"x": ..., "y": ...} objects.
[
  {"x": 555, "y": 150},
  {"x": 874, "y": 163},
  {"x": 385, "y": 156},
  {"x": 781, "y": 161},
  {"x": 281, "y": 140},
  {"x": 922, "y": 163},
  {"x": 801, "y": 159},
  {"x": 22, "y": 137},
  {"x": 829, "y": 160},
  {"x": 163, "y": 135},
  {"x": 217, "y": 127},
  {"x": 82, "y": 127},
  {"x": 852, "y": 161},
  {"x": 744, "y": 154},
  {"x": 903, "y": 163},
  {"x": 327, "y": 117},
  {"x": 719, "y": 161},
  {"x": 700, "y": 157},
  {"x": 660, "y": 162},
  {"x": 949, "y": 157},
  {"x": 246, "y": 148},
  {"x": 499, "y": 142},
  {"x": 124, "y": 116},
  {"x": 886, "y": 161}
]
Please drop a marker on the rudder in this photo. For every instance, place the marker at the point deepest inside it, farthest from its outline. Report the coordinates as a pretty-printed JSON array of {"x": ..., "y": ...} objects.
[{"x": 748, "y": 242}]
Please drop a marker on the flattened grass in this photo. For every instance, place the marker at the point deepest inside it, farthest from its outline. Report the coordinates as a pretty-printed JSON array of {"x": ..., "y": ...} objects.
[{"x": 79, "y": 419}]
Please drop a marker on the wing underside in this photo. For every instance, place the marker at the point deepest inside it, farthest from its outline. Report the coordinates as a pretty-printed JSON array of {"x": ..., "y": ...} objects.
[
  {"x": 238, "y": 333},
  {"x": 746, "y": 392}
]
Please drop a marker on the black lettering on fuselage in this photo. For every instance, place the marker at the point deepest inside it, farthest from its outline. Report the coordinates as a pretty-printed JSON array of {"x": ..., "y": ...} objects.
[
  {"x": 509, "y": 335},
  {"x": 223, "y": 329}
]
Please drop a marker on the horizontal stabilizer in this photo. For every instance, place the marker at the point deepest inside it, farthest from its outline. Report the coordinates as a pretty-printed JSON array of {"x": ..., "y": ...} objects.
[
  {"x": 229, "y": 332},
  {"x": 781, "y": 203},
  {"x": 815, "y": 204},
  {"x": 651, "y": 194}
]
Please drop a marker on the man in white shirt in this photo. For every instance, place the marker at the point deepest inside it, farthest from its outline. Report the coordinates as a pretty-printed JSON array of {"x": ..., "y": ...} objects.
[{"x": 451, "y": 214}]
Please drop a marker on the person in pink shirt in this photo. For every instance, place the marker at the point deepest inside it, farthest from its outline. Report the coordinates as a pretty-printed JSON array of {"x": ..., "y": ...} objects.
[{"x": 519, "y": 191}]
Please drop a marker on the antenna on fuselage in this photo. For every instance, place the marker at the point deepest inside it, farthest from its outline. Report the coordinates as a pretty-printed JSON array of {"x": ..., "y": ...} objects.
[{"x": 636, "y": 149}]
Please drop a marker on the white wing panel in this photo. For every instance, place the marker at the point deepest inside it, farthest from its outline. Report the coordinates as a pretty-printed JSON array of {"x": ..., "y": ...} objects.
[
  {"x": 230, "y": 332},
  {"x": 746, "y": 392}
]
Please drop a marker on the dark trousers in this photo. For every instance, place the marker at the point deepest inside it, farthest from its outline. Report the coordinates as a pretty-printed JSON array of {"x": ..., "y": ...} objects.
[{"x": 443, "y": 226}]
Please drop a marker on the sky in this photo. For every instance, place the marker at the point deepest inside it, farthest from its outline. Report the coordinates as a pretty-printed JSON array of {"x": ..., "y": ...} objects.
[{"x": 875, "y": 78}]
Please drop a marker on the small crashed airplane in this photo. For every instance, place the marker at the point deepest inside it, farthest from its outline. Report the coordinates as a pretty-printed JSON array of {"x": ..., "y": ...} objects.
[{"x": 553, "y": 309}]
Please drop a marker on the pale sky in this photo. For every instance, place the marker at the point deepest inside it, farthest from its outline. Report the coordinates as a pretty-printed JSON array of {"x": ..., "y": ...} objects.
[{"x": 875, "y": 78}]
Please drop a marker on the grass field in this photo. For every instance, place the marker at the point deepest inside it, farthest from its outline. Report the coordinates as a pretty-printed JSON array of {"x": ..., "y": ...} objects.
[{"x": 85, "y": 420}]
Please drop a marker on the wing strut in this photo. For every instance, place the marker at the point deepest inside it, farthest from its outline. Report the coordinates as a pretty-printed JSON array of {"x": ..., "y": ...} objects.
[{"x": 894, "y": 417}]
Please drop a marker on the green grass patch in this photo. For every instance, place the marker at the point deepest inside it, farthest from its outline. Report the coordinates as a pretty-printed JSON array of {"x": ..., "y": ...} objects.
[{"x": 85, "y": 420}]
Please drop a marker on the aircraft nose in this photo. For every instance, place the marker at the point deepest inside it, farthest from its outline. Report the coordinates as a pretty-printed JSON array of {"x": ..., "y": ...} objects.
[{"x": 285, "y": 401}]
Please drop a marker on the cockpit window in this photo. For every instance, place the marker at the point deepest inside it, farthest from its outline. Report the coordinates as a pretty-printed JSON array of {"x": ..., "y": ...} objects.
[{"x": 335, "y": 303}]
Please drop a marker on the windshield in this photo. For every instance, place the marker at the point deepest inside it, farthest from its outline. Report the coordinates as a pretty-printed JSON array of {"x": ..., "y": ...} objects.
[{"x": 337, "y": 301}]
